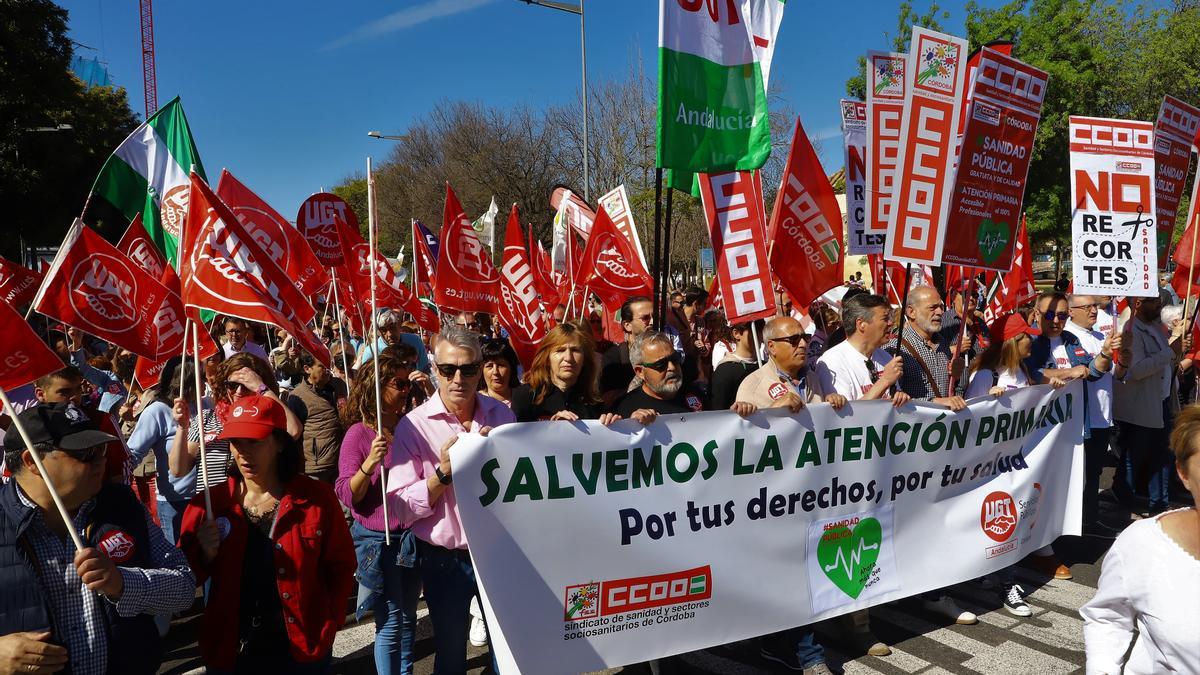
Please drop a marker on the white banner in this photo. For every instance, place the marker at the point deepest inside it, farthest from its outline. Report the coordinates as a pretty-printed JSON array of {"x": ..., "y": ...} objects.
[
  {"x": 854, "y": 136},
  {"x": 1112, "y": 189},
  {"x": 616, "y": 203},
  {"x": 602, "y": 546}
]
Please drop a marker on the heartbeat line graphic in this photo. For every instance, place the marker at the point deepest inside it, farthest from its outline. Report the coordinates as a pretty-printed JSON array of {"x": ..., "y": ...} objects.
[{"x": 855, "y": 556}]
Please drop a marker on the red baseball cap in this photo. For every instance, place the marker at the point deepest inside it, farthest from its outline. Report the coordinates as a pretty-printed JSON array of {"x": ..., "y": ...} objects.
[
  {"x": 254, "y": 417},
  {"x": 1010, "y": 326}
]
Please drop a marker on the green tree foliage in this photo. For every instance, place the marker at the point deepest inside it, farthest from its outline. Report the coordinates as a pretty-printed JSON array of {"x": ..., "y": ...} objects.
[
  {"x": 856, "y": 86},
  {"x": 44, "y": 176}
]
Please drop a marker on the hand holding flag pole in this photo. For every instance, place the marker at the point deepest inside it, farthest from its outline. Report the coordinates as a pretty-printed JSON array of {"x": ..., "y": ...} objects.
[{"x": 208, "y": 509}]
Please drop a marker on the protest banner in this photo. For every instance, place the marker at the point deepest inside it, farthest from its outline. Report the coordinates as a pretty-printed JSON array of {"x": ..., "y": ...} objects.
[
  {"x": 316, "y": 220},
  {"x": 467, "y": 279},
  {"x": 733, "y": 210},
  {"x": 602, "y": 546},
  {"x": 576, "y": 213},
  {"x": 989, "y": 185},
  {"x": 1174, "y": 135},
  {"x": 806, "y": 226},
  {"x": 928, "y": 135},
  {"x": 1007, "y": 292},
  {"x": 854, "y": 137},
  {"x": 885, "y": 104},
  {"x": 1112, "y": 222},
  {"x": 616, "y": 202}
]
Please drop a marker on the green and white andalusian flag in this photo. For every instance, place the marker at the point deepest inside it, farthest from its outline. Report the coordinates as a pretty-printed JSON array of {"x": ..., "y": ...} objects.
[
  {"x": 148, "y": 174},
  {"x": 713, "y": 63}
]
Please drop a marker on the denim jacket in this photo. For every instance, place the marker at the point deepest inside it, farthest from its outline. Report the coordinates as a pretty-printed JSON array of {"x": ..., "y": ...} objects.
[
  {"x": 1040, "y": 358},
  {"x": 372, "y": 555}
]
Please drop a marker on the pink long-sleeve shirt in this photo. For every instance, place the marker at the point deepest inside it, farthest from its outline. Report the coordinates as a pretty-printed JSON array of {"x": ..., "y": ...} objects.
[{"x": 418, "y": 439}]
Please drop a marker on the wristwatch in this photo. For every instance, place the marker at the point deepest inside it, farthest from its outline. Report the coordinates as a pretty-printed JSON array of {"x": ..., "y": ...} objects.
[{"x": 444, "y": 479}]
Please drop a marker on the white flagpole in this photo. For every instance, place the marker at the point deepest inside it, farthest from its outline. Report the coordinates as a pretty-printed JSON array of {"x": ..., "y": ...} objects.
[
  {"x": 371, "y": 225},
  {"x": 337, "y": 309},
  {"x": 37, "y": 460},
  {"x": 208, "y": 510}
]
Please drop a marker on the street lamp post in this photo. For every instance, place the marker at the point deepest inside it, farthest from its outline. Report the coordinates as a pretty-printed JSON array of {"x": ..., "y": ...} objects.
[
  {"x": 576, "y": 9},
  {"x": 384, "y": 137}
]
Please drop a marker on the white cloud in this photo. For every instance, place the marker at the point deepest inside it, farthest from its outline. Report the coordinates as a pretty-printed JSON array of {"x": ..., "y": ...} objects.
[{"x": 406, "y": 18}]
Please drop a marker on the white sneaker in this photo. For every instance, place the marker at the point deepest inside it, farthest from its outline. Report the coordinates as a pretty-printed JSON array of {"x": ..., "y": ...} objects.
[
  {"x": 478, "y": 635},
  {"x": 1015, "y": 603},
  {"x": 946, "y": 606}
]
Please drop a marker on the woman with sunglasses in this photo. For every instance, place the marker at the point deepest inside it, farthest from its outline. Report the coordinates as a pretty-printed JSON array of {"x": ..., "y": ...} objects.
[
  {"x": 185, "y": 449},
  {"x": 562, "y": 380},
  {"x": 499, "y": 370},
  {"x": 276, "y": 549},
  {"x": 388, "y": 581}
]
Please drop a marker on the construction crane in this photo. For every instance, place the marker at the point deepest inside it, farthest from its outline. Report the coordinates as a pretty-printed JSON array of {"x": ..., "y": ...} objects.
[{"x": 149, "y": 80}]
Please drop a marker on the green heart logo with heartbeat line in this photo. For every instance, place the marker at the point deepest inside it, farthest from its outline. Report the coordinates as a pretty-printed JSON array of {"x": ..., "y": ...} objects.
[
  {"x": 993, "y": 239},
  {"x": 848, "y": 556}
]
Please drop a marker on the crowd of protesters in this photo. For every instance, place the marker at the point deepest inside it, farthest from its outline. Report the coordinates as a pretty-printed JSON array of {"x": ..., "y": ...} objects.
[{"x": 257, "y": 480}]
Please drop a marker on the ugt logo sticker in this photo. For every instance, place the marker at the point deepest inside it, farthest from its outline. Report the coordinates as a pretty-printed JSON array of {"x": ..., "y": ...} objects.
[{"x": 998, "y": 519}]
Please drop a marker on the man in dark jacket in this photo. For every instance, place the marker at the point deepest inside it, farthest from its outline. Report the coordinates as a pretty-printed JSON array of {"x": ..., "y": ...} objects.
[{"x": 87, "y": 610}]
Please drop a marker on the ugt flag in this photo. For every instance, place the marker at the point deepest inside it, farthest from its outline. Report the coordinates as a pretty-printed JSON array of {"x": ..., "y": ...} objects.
[
  {"x": 148, "y": 174},
  {"x": 520, "y": 309},
  {"x": 28, "y": 357},
  {"x": 714, "y": 59}
]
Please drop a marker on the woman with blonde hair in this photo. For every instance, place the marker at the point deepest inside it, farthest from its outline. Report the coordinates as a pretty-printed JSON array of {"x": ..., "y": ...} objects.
[
  {"x": 562, "y": 382},
  {"x": 1001, "y": 367},
  {"x": 388, "y": 583}
]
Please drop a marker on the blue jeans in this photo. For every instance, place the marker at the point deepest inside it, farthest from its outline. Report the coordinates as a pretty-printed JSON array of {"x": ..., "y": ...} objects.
[
  {"x": 170, "y": 518},
  {"x": 1147, "y": 449},
  {"x": 395, "y": 609},
  {"x": 803, "y": 639},
  {"x": 450, "y": 584}
]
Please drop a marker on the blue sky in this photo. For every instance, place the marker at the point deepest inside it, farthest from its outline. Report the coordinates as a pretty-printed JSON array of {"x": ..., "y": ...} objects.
[{"x": 283, "y": 94}]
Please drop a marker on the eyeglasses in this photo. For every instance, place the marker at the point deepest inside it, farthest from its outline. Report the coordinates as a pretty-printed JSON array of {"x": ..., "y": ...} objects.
[
  {"x": 447, "y": 370},
  {"x": 86, "y": 456},
  {"x": 1094, "y": 305},
  {"x": 399, "y": 383},
  {"x": 793, "y": 340},
  {"x": 645, "y": 318},
  {"x": 662, "y": 364},
  {"x": 1062, "y": 316}
]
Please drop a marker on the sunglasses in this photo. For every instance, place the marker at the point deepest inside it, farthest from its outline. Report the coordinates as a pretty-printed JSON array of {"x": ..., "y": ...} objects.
[
  {"x": 662, "y": 364},
  {"x": 447, "y": 370},
  {"x": 233, "y": 387},
  {"x": 1062, "y": 316},
  {"x": 793, "y": 340},
  {"x": 399, "y": 383},
  {"x": 86, "y": 456}
]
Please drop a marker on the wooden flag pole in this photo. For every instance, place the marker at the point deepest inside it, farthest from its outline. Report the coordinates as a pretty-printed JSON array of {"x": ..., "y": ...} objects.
[
  {"x": 208, "y": 509},
  {"x": 37, "y": 460},
  {"x": 371, "y": 225}
]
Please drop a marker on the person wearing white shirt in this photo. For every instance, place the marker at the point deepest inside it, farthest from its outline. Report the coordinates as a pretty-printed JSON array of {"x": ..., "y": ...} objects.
[
  {"x": 859, "y": 370},
  {"x": 1149, "y": 587},
  {"x": 237, "y": 332},
  {"x": 1085, "y": 312}
]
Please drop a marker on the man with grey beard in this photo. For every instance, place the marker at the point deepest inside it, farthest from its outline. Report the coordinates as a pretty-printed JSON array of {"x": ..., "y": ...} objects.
[{"x": 660, "y": 367}]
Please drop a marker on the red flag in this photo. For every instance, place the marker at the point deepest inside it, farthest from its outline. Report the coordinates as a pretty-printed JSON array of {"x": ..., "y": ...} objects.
[
  {"x": 467, "y": 279},
  {"x": 225, "y": 270},
  {"x": 543, "y": 278},
  {"x": 1016, "y": 287},
  {"x": 136, "y": 244},
  {"x": 714, "y": 296},
  {"x": 733, "y": 209},
  {"x": 284, "y": 243},
  {"x": 26, "y": 356},
  {"x": 170, "y": 320},
  {"x": 806, "y": 226},
  {"x": 610, "y": 267},
  {"x": 98, "y": 289},
  {"x": 316, "y": 222},
  {"x": 18, "y": 284},
  {"x": 426, "y": 259},
  {"x": 520, "y": 311},
  {"x": 389, "y": 290}
]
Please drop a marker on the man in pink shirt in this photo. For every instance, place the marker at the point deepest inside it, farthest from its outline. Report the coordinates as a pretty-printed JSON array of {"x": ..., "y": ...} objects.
[{"x": 421, "y": 477}]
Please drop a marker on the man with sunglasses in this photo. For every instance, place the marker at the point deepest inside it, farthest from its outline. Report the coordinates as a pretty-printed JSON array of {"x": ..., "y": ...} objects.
[
  {"x": 616, "y": 367},
  {"x": 660, "y": 369},
  {"x": 1057, "y": 353},
  {"x": 1085, "y": 311},
  {"x": 784, "y": 380},
  {"x": 88, "y": 611},
  {"x": 421, "y": 480}
]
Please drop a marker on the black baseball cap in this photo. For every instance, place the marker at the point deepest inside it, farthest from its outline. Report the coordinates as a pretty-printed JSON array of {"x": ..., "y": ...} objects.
[{"x": 63, "y": 425}]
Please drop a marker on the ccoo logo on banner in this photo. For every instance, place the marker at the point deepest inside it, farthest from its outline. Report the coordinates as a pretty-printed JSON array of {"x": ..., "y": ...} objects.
[{"x": 733, "y": 209}]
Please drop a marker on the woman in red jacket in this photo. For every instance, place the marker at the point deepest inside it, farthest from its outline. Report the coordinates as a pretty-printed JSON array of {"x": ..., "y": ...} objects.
[{"x": 277, "y": 551}]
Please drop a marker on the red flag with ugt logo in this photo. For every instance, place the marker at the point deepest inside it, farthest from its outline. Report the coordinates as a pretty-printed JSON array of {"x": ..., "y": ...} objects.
[
  {"x": 26, "y": 356},
  {"x": 18, "y": 284},
  {"x": 609, "y": 266},
  {"x": 136, "y": 244},
  {"x": 467, "y": 281},
  {"x": 225, "y": 270},
  {"x": 520, "y": 308},
  {"x": 284, "y": 243},
  {"x": 806, "y": 226},
  {"x": 543, "y": 278},
  {"x": 96, "y": 288},
  {"x": 389, "y": 290},
  {"x": 316, "y": 221}
]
